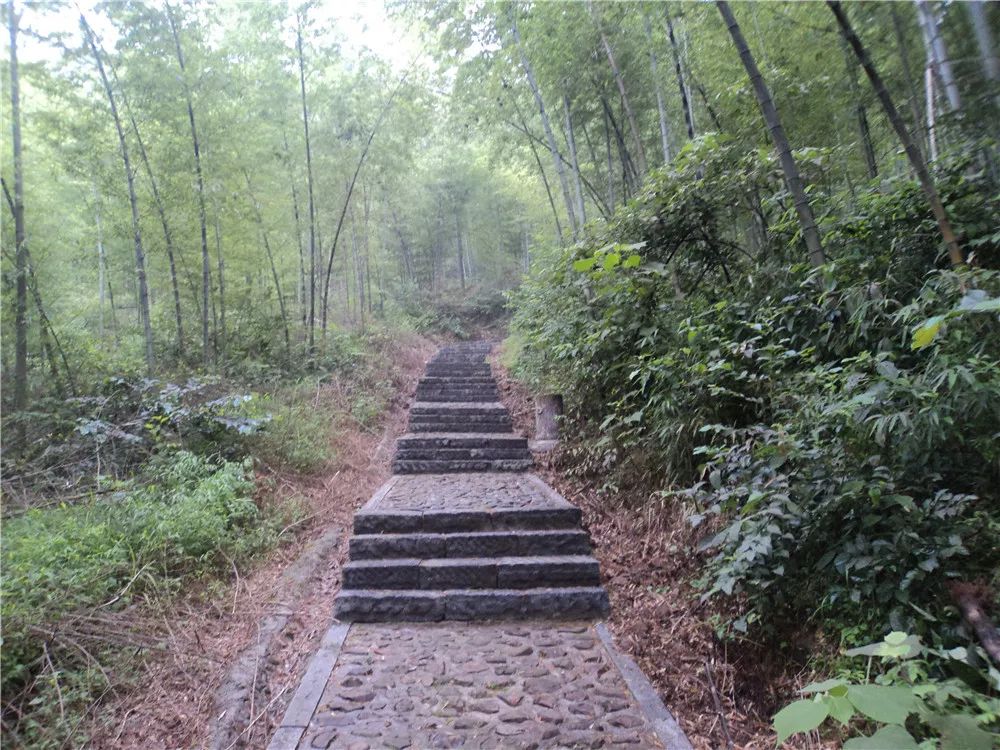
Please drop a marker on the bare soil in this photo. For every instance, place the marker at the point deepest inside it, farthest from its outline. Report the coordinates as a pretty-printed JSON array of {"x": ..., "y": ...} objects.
[{"x": 233, "y": 654}]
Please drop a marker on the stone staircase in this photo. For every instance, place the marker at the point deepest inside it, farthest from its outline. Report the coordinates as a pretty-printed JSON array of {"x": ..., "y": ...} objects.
[
  {"x": 457, "y": 422},
  {"x": 459, "y": 532}
]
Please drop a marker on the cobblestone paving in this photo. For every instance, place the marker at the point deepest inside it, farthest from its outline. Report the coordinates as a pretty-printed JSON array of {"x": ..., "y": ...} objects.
[
  {"x": 524, "y": 685},
  {"x": 466, "y": 492}
]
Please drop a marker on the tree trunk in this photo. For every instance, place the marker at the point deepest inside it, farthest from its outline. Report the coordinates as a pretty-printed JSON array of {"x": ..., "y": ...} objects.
[
  {"x": 916, "y": 159},
  {"x": 660, "y": 109},
  {"x": 102, "y": 264},
  {"x": 161, "y": 212},
  {"x": 202, "y": 218},
  {"x": 300, "y": 288},
  {"x": 640, "y": 152},
  {"x": 350, "y": 190},
  {"x": 904, "y": 60},
  {"x": 937, "y": 53},
  {"x": 788, "y": 165},
  {"x": 630, "y": 177},
  {"x": 458, "y": 242},
  {"x": 140, "y": 255},
  {"x": 20, "y": 237},
  {"x": 529, "y": 73},
  {"x": 931, "y": 116},
  {"x": 864, "y": 132},
  {"x": 984, "y": 39},
  {"x": 607, "y": 148},
  {"x": 685, "y": 102},
  {"x": 221, "y": 347},
  {"x": 311, "y": 324},
  {"x": 577, "y": 185},
  {"x": 270, "y": 260}
]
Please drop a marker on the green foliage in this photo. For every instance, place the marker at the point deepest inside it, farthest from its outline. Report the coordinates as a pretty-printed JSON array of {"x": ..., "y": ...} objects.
[
  {"x": 836, "y": 473},
  {"x": 909, "y": 692},
  {"x": 183, "y": 518}
]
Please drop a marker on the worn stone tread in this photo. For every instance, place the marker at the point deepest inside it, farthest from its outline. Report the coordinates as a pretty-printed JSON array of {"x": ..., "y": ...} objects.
[
  {"x": 473, "y": 572},
  {"x": 515, "y": 543}
]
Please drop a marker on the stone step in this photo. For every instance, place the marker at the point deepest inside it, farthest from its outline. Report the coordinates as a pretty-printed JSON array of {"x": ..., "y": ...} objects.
[
  {"x": 388, "y": 605},
  {"x": 511, "y": 543},
  {"x": 421, "y": 425},
  {"x": 455, "y": 521},
  {"x": 462, "y": 440},
  {"x": 463, "y": 380},
  {"x": 473, "y": 573},
  {"x": 406, "y": 466},
  {"x": 448, "y": 371},
  {"x": 458, "y": 388},
  {"x": 463, "y": 397},
  {"x": 461, "y": 454},
  {"x": 454, "y": 408}
]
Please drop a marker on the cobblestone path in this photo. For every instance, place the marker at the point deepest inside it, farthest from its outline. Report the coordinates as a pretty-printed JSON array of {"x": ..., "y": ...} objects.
[{"x": 500, "y": 548}]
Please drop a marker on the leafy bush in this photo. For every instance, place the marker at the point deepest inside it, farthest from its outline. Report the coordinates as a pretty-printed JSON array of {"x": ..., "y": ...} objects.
[
  {"x": 944, "y": 699},
  {"x": 833, "y": 431}
]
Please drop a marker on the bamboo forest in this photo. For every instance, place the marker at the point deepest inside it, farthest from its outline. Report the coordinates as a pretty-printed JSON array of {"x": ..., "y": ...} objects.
[{"x": 500, "y": 374}]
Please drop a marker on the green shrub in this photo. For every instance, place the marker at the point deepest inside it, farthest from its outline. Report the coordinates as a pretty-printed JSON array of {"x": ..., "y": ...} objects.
[{"x": 193, "y": 517}]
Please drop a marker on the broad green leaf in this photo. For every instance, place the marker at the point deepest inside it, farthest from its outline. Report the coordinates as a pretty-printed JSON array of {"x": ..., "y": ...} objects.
[
  {"x": 961, "y": 732},
  {"x": 584, "y": 265},
  {"x": 926, "y": 331},
  {"x": 800, "y": 716},
  {"x": 887, "y": 738},
  {"x": 632, "y": 261},
  {"x": 840, "y": 708},
  {"x": 821, "y": 687},
  {"x": 883, "y": 703},
  {"x": 611, "y": 260}
]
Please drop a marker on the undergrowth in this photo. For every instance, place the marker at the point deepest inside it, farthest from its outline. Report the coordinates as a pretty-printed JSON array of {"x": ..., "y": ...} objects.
[{"x": 831, "y": 431}]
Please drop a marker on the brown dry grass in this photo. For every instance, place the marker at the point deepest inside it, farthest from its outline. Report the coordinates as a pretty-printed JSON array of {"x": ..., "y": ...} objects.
[
  {"x": 719, "y": 691},
  {"x": 174, "y": 701}
]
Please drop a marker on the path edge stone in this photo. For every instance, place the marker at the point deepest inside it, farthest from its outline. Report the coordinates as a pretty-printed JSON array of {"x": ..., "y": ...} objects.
[
  {"x": 307, "y": 696},
  {"x": 662, "y": 721}
]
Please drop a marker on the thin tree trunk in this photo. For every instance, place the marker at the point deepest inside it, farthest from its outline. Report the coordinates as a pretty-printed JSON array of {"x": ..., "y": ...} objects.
[
  {"x": 678, "y": 71},
  {"x": 162, "y": 213},
  {"x": 140, "y": 255},
  {"x": 938, "y": 53},
  {"x": 916, "y": 159},
  {"x": 350, "y": 189},
  {"x": 458, "y": 242},
  {"x": 577, "y": 185},
  {"x": 102, "y": 264},
  {"x": 607, "y": 148},
  {"x": 629, "y": 176},
  {"x": 222, "y": 288},
  {"x": 904, "y": 60},
  {"x": 300, "y": 288},
  {"x": 202, "y": 218},
  {"x": 640, "y": 152},
  {"x": 46, "y": 325},
  {"x": 864, "y": 131},
  {"x": 984, "y": 39},
  {"x": 311, "y": 323},
  {"x": 270, "y": 260},
  {"x": 529, "y": 73},
  {"x": 660, "y": 109},
  {"x": 788, "y": 165},
  {"x": 931, "y": 115},
  {"x": 20, "y": 236}
]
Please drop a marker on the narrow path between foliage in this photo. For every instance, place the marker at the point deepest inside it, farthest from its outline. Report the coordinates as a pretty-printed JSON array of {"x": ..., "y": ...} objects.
[{"x": 467, "y": 551}]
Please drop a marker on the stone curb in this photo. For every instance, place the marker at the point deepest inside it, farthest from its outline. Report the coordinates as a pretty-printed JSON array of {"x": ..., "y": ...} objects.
[
  {"x": 660, "y": 719},
  {"x": 303, "y": 704}
]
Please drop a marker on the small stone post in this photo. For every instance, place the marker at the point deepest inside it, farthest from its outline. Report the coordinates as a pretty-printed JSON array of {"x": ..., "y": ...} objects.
[{"x": 548, "y": 409}]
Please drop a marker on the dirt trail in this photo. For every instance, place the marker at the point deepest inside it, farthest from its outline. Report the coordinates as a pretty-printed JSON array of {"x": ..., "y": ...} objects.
[{"x": 232, "y": 658}]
